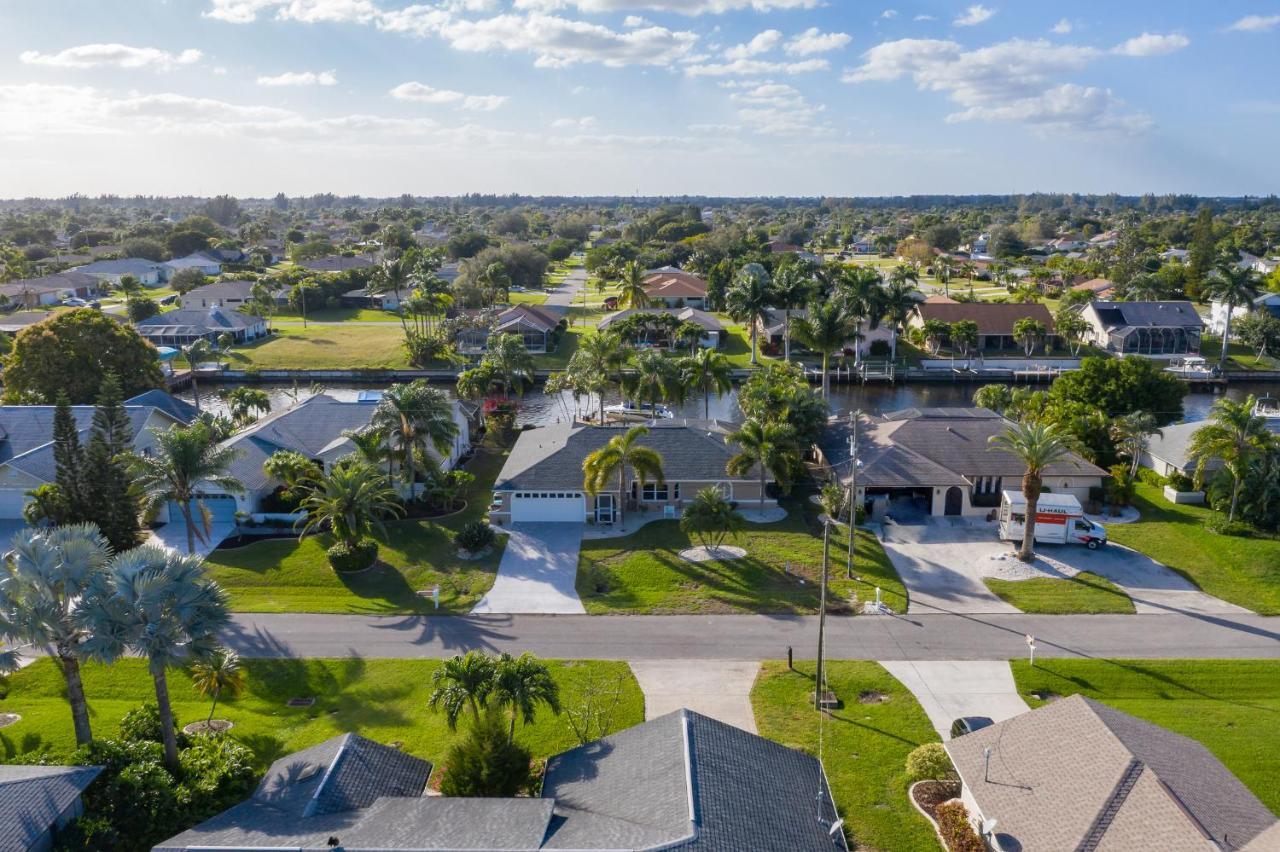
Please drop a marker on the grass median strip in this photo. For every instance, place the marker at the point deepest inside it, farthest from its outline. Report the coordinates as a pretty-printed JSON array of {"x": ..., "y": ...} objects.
[{"x": 1083, "y": 594}]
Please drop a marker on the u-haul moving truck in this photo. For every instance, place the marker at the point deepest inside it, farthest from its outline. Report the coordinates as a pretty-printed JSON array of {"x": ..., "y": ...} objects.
[{"x": 1059, "y": 520}]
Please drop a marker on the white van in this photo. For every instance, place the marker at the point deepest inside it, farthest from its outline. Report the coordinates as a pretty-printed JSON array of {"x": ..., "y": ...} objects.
[{"x": 1059, "y": 520}]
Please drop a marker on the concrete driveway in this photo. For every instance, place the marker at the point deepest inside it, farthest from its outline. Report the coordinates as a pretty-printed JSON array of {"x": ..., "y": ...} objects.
[
  {"x": 719, "y": 689},
  {"x": 939, "y": 563},
  {"x": 1153, "y": 586},
  {"x": 174, "y": 535},
  {"x": 950, "y": 689},
  {"x": 538, "y": 570}
]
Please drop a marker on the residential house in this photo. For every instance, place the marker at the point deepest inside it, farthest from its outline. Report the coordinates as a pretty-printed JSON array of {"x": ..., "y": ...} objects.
[
  {"x": 1078, "y": 774},
  {"x": 1105, "y": 240},
  {"x": 1065, "y": 244},
  {"x": 18, "y": 320},
  {"x": 336, "y": 263},
  {"x": 542, "y": 477},
  {"x": 978, "y": 245},
  {"x": 362, "y": 298},
  {"x": 1176, "y": 254},
  {"x": 37, "y": 802},
  {"x": 995, "y": 321},
  {"x": 682, "y": 781},
  {"x": 676, "y": 290},
  {"x": 1101, "y": 288},
  {"x": 1169, "y": 452},
  {"x": 220, "y": 294},
  {"x": 186, "y": 325},
  {"x": 1270, "y": 302},
  {"x": 26, "y": 441},
  {"x": 50, "y": 289},
  {"x": 202, "y": 261},
  {"x": 713, "y": 330},
  {"x": 148, "y": 272},
  {"x": 537, "y": 326},
  {"x": 1144, "y": 328},
  {"x": 771, "y": 333},
  {"x": 1260, "y": 265},
  {"x": 938, "y": 461}
]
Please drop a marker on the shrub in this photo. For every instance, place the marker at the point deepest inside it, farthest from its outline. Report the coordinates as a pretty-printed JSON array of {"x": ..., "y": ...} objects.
[
  {"x": 474, "y": 537},
  {"x": 344, "y": 559},
  {"x": 485, "y": 763},
  {"x": 1147, "y": 476},
  {"x": 929, "y": 762},
  {"x": 1220, "y": 525},
  {"x": 956, "y": 830},
  {"x": 1179, "y": 481},
  {"x": 142, "y": 307},
  {"x": 142, "y": 724}
]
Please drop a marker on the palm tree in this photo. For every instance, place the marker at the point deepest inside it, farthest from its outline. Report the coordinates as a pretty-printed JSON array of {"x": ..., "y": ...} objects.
[
  {"x": 218, "y": 673},
  {"x": 351, "y": 500},
  {"x": 593, "y": 368},
  {"x": 393, "y": 276},
  {"x": 1133, "y": 432},
  {"x": 791, "y": 289},
  {"x": 632, "y": 294},
  {"x": 412, "y": 416},
  {"x": 510, "y": 362},
  {"x": 861, "y": 290},
  {"x": 826, "y": 330},
  {"x": 495, "y": 280},
  {"x": 1233, "y": 286},
  {"x": 943, "y": 268},
  {"x": 462, "y": 681},
  {"x": 898, "y": 300},
  {"x": 184, "y": 460},
  {"x": 749, "y": 299},
  {"x": 766, "y": 448},
  {"x": 710, "y": 518},
  {"x": 1145, "y": 288},
  {"x": 44, "y": 575},
  {"x": 131, "y": 287},
  {"x": 371, "y": 446},
  {"x": 622, "y": 452},
  {"x": 707, "y": 370},
  {"x": 520, "y": 685},
  {"x": 195, "y": 352},
  {"x": 244, "y": 401},
  {"x": 654, "y": 378},
  {"x": 1038, "y": 446},
  {"x": 156, "y": 603},
  {"x": 1234, "y": 435}
]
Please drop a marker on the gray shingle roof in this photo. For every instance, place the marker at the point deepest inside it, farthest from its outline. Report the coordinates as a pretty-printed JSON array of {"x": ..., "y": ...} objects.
[
  {"x": 71, "y": 279},
  {"x": 124, "y": 266},
  {"x": 32, "y": 798},
  {"x": 1077, "y": 774},
  {"x": 1146, "y": 314},
  {"x": 336, "y": 263},
  {"x": 179, "y": 409},
  {"x": 197, "y": 321},
  {"x": 239, "y": 289},
  {"x": 26, "y": 433}
]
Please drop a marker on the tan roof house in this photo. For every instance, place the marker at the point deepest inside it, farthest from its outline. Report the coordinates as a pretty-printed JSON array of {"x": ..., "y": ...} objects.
[{"x": 676, "y": 289}]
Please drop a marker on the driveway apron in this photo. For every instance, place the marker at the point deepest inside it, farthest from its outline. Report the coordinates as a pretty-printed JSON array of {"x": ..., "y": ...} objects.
[
  {"x": 938, "y": 564},
  {"x": 537, "y": 571},
  {"x": 950, "y": 689},
  {"x": 719, "y": 689}
]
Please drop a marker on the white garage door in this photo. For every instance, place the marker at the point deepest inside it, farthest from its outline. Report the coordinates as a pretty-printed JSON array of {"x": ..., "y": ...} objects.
[
  {"x": 11, "y": 502},
  {"x": 556, "y": 506}
]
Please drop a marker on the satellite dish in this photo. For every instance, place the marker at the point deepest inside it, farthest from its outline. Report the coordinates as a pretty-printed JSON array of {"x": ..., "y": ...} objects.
[
  {"x": 988, "y": 827},
  {"x": 835, "y": 826}
]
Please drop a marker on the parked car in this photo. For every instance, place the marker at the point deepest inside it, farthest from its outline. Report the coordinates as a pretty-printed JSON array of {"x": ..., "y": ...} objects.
[
  {"x": 969, "y": 724},
  {"x": 75, "y": 302}
]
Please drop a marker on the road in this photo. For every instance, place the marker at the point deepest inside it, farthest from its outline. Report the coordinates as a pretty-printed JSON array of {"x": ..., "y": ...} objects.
[{"x": 936, "y": 636}]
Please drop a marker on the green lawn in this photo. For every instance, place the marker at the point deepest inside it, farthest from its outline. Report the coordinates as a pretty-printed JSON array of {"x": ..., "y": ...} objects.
[
  {"x": 643, "y": 572},
  {"x": 529, "y": 297},
  {"x": 1240, "y": 358},
  {"x": 1245, "y": 571},
  {"x": 287, "y": 575},
  {"x": 1084, "y": 593},
  {"x": 384, "y": 700},
  {"x": 864, "y": 746},
  {"x": 325, "y": 347},
  {"x": 1231, "y": 706},
  {"x": 290, "y": 315}
]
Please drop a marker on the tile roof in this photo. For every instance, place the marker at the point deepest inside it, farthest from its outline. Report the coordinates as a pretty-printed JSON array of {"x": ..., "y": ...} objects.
[
  {"x": 1077, "y": 774},
  {"x": 991, "y": 317},
  {"x": 708, "y": 321},
  {"x": 32, "y": 798},
  {"x": 674, "y": 285}
]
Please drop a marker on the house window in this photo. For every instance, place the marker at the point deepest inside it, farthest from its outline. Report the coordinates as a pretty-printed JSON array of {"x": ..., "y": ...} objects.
[{"x": 654, "y": 492}]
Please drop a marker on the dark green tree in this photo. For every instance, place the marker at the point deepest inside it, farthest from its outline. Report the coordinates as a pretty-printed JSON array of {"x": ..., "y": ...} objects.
[
  {"x": 111, "y": 503},
  {"x": 485, "y": 762},
  {"x": 68, "y": 459},
  {"x": 71, "y": 353},
  {"x": 1120, "y": 386}
]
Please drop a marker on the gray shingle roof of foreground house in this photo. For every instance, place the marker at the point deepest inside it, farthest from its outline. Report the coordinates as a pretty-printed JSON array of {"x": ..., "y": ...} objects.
[
  {"x": 1079, "y": 775},
  {"x": 35, "y": 800},
  {"x": 681, "y": 781}
]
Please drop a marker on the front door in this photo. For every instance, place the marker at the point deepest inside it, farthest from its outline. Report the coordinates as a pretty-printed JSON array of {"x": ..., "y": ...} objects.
[
  {"x": 604, "y": 508},
  {"x": 955, "y": 501}
]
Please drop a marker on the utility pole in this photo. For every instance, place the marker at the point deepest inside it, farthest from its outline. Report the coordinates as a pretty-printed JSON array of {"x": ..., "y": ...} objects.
[
  {"x": 853, "y": 476},
  {"x": 822, "y": 615}
]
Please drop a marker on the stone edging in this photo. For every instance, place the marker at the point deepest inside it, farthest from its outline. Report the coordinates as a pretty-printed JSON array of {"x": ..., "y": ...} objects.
[{"x": 936, "y": 830}]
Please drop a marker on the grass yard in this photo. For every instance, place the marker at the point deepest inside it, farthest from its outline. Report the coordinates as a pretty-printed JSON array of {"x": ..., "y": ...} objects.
[
  {"x": 643, "y": 572},
  {"x": 384, "y": 700},
  {"x": 1231, "y": 706},
  {"x": 864, "y": 746},
  {"x": 1084, "y": 593},
  {"x": 528, "y": 297},
  {"x": 287, "y": 575},
  {"x": 1240, "y": 358},
  {"x": 325, "y": 347},
  {"x": 1244, "y": 571},
  {"x": 290, "y": 315}
]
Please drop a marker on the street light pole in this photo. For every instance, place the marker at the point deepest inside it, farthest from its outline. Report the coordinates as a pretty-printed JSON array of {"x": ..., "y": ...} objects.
[
  {"x": 822, "y": 615},
  {"x": 853, "y": 476}
]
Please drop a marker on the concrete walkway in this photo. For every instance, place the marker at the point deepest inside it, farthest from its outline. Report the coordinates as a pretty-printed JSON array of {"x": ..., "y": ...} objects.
[
  {"x": 174, "y": 535},
  {"x": 538, "y": 570},
  {"x": 950, "y": 689},
  {"x": 1154, "y": 587},
  {"x": 721, "y": 689},
  {"x": 571, "y": 289}
]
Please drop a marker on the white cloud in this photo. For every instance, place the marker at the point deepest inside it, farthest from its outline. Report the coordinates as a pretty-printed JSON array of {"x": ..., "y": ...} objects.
[
  {"x": 633, "y": 21},
  {"x": 682, "y": 7},
  {"x": 560, "y": 42},
  {"x": 585, "y": 122},
  {"x": 778, "y": 109},
  {"x": 1063, "y": 27},
  {"x": 301, "y": 78},
  {"x": 1008, "y": 81},
  {"x": 111, "y": 56},
  {"x": 422, "y": 93},
  {"x": 1255, "y": 24},
  {"x": 306, "y": 11},
  {"x": 761, "y": 43},
  {"x": 1151, "y": 44},
  {"x": 755, "y": 67},
  {"x": 924, "y": 18},
  {"x": 889, "y": 14},
  {"x": 974, "y": 15},
  {"x": 814, "y": 40}
]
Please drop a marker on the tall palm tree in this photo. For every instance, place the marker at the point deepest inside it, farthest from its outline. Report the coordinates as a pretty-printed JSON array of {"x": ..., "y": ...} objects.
[
  {"x": 1133, "y": 433},
  {"x": 184, "y": 460},
  {"x": 593, "y": 368},
  {"x": 156, "y": 603},
  {"x": 1233, "y": 286},
  {"x": 792, "y": 287},
  {"x": 131, "y": 287},
  {"x": 708, "y": 371},
  {"x": 1234, "y": 435},
  {"x": 244, "y": 401},
  {"x": 944, "y": 267},
  {"x": 44, "y": 576},
  {"x": 622, "y": 452},
  {"x": 371, "y": 446},
  {"x": 862, "y": 291},
  {"x": 218, "y": 673},
  {"x": 495, "y": 281},
  {"x": 826, "y": 330},
  {"x": 1038, "y": 446},
  {"x": 196, "y": 352},
  {"x": 654, "y": 378},
  {"x": 768, "y": 448},
  {"x": 631, "y": 282},
  {"x": 898, "y": 300},
  {"x": 412, "y": 416},
  {"x": 510, "y": 362},
  {"x": 394, "y": 276},
  {"x": 749, "y": 298},
  {"x": 462, "y": 681},
  {"x": 520, "y": 685},
  {"x": 351, "y": 500}
]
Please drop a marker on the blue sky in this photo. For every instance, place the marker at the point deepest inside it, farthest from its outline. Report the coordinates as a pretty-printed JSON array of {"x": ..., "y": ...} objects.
[{"x": 731, "y": 97}]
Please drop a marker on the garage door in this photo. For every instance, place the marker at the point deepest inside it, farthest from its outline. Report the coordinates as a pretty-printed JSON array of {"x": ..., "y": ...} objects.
[
  {"x": 555, "y": 506},
  {"x": 222, "y": 509}
]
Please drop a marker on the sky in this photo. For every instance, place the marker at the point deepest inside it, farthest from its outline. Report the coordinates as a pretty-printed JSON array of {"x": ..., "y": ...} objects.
[{"x": 638, "y": 97}]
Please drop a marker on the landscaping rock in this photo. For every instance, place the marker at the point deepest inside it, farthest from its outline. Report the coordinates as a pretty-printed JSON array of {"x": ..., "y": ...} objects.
[{"x": 722, "y": 553}]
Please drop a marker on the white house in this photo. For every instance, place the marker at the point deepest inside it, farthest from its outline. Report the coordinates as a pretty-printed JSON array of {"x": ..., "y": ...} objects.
[
  {"x": 205, "y": 263},
  {"x": 50, "y": 289},
  {"x": 1269, "y": 302},
  {"x": 148, "y": 272},
  {"x": 186, "y": 325}
]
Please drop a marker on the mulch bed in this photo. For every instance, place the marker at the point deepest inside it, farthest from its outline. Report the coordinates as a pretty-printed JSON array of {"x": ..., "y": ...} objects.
[
  {"x": 929, "y": 794},
  {"x": 217, "y": 726},
  {"x": 245, "y": 540}
]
